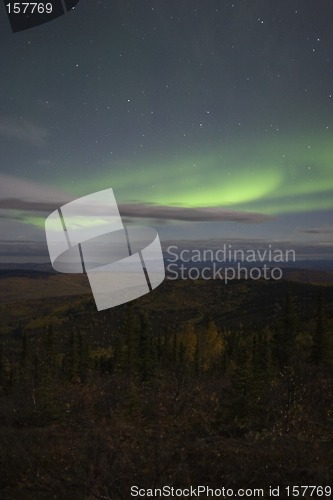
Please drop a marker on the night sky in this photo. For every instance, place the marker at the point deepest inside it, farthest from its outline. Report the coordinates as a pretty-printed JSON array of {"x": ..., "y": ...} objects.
[{"x": 211, "y": 120}]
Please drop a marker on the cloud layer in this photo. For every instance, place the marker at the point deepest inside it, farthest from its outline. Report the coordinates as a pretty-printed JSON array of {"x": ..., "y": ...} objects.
[
  {"x": 23, "y": 196},
  {"x": 23, "y": 131},
  {"x": 198, "y": 214}
]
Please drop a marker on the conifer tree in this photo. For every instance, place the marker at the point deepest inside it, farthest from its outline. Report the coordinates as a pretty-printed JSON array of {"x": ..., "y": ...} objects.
[
  {"x": 146, "y": 354},
  {"x": 2, "y": 368},
  {"x": 175, "y": 344},
  {"x": 189, "y": 340},
  {"x": 318, "y": 346},
  {"x": 84, "y": 357},
  {"x": 50, "y": 349},
  {"x": 128, "y": 348},
  {"x": 72, "y": 359},
  {"x": 25, "y": 357},
  {"x": 262, "y": 353},
  {"x": 286, "y": 334}
]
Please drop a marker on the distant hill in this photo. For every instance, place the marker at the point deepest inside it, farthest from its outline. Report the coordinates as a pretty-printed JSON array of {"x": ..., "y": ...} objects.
[
  {"x": 29, "y": 266},
  {"x": 33, "y": 297},
  {"x": 19, "y": 285}
]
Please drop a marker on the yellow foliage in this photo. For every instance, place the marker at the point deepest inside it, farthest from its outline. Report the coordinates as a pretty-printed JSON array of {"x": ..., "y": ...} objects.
[
  {"x": 207, "y": 342},
  {"x": 189, "y": 339},
  {"x": 210, "y": 345}
]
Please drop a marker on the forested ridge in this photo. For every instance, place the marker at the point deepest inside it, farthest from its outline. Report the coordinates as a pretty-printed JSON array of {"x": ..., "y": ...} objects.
[{"x": 198, "y": 383}]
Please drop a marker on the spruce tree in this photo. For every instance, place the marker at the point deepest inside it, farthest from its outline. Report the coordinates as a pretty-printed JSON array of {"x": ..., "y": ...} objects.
[
  {"x": 25, "y": 368},
  {"x": 146, "y": 354},
  {"x": 286, "y": 334},
  {"x": 72, "y": 359},
  {"x": 2, "y": 368},
  {"x": 84, "y": 357},
  {"x": 128, "y": 344},
  {"x": 318, "y": 346}
]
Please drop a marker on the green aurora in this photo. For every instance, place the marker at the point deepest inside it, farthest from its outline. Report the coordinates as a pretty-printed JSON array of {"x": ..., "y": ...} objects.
[{"x": 271, "y": 177}]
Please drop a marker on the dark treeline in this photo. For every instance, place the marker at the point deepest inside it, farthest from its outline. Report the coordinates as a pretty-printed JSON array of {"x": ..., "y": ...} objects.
[{"x": 89, "y": 406}]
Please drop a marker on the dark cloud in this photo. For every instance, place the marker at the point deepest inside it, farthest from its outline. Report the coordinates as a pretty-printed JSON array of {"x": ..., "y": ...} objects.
[
  {"x": 23, "y": 131},
  {"x": 23, "y": 248},
  {"x": 22, "y": 190},
  {"x": 28, "y": 206},
  {"x": 201, "y": 214},
  {"x": 317, "y": 230},
  {"x": 144, "y": 211}
]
